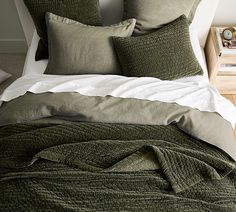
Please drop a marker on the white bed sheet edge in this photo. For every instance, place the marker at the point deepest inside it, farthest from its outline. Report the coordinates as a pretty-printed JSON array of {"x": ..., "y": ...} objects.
[{"x": 200, "y": 95}]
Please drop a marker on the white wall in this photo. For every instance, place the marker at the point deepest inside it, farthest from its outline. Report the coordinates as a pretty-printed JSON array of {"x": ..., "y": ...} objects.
[
  {"x": 226, "y": 13},
  {"x": 12, "y": 36},
  {"x": 12, "y": 39}
]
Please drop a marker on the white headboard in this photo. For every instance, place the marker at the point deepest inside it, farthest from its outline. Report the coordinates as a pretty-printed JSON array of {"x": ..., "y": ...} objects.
[{"x": 112, "y": 12}]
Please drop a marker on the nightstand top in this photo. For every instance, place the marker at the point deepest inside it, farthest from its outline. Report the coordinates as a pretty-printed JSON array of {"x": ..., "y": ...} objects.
[{"x": 222, "y": 50}]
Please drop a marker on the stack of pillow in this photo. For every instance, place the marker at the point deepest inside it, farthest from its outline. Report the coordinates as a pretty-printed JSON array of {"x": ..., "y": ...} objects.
[{"x": 152, "y": 41}]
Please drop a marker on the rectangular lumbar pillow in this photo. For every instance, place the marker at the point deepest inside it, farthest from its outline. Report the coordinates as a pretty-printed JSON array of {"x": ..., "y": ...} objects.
[
  {"x": 166, "y": 54},
  {"x": 75, "y": 48},
  {"x": 152, "y": 14},
  {"x": 85, "y": 11}
]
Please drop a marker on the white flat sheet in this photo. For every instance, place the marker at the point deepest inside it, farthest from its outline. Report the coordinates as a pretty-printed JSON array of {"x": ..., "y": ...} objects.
[{"x": 199, "y": 95}]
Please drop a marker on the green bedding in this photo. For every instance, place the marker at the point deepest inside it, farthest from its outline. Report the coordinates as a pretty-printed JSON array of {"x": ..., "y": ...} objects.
[
  {"x": 89, "y": 167},
  {"x": 53, "y": 164},
  {"x": 209, "y": 127}
]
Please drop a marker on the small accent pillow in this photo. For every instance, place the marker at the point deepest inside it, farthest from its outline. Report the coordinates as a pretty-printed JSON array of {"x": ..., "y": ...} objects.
[
  {"x": 152, "y": 14},
  {"x": 75, "y": 48},
  {"x": 85, "y": 11},
  {"x": 4, "y": 76},
  {"x": 166, "y": 54}
]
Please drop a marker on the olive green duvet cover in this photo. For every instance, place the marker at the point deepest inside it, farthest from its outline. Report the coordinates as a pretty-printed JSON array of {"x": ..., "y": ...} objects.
[{"x": 69, "y": 152}]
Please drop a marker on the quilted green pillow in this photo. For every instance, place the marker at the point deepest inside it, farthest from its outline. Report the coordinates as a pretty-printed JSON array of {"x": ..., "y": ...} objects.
[
  {"x": 85, "y": 11},
  {"x": 166, "y": 54}
]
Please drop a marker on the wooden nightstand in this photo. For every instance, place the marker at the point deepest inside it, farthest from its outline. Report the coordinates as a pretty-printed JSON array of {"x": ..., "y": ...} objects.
[{"x": 221, "y": 63}]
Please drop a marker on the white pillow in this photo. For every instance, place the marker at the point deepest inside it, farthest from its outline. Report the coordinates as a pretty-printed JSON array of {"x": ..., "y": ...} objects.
[{"x": 4, "y": 76}]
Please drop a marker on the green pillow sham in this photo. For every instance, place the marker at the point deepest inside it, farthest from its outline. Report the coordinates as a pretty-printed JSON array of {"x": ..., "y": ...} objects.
[
  {"x": 85, "y": 11},
  {"x": 152, "y": 14},
  {"x": 76, "y": 48},
  {"x": 166, "y": 54}
]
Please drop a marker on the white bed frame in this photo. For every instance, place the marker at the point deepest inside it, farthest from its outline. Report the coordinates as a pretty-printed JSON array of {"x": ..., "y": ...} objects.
[{"x": 204, "y": 16}]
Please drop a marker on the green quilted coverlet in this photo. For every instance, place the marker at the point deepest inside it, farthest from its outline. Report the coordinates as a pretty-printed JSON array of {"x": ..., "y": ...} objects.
[{"x": 69, "y": 166}]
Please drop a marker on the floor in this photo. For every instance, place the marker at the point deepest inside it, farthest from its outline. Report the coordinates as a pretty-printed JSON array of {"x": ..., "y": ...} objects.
[{"x": 232, "y": 98}]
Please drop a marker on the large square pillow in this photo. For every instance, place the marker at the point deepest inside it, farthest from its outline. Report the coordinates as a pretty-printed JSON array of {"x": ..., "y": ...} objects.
[
  {"x": 152, "y": 14},
  {"x": 85, "y": 11},
  {"x": 76, "y": 48},
  {"x": 166, "y": 54}
]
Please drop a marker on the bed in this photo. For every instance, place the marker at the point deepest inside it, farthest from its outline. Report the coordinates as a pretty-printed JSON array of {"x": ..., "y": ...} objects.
[{"x": 94, "y": 142}]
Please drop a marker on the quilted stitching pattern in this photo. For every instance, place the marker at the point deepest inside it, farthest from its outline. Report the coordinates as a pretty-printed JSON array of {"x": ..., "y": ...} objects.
[
  {"x": 166, "y": 54},
  {"x": 50, "y": 186}
]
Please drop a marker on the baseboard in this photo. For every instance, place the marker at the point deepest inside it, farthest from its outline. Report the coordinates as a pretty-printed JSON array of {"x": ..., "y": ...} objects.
[{"x": 13, "y": 46}]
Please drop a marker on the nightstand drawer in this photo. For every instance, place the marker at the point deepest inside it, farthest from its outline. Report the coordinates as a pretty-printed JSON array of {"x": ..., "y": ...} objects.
[
  {"x": 227, "y": 59},
  {"x": 226, "y": 84}
]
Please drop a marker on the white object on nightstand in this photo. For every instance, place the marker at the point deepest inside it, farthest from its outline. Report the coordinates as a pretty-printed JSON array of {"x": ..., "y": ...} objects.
[{"x": 4, "y": 76}]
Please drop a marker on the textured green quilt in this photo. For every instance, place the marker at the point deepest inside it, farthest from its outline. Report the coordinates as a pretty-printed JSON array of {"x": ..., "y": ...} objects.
[{"x": 78, "y": 166}]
